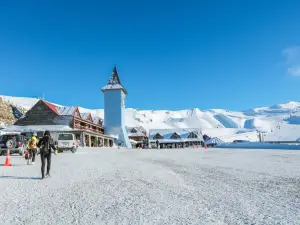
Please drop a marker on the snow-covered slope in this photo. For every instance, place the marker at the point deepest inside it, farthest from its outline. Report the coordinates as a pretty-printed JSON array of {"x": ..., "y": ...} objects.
[
  {"x": 25, "y": 103},
  {"x": 280, "y": 122}
]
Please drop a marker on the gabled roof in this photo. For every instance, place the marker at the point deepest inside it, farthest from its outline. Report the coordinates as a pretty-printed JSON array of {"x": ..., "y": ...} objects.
[
  {"x": 140, "y": 131},
  {"x": 66, "y": 111},
  {"x": 70, "y": 111},
  {"x": 167, "y": 133},
  {"x": 214, "y": 140},
  {"x": 87, "y": 116},
  {"x": 90, "y": 118},
  {"x": 175, "y": 135},
  {"x": 134, "y": 130},
  {"x": 77, "y": 112},
  {"x": 51, "y": 106},
  {"x": 157, "y": 135},
  {"x": 114, "y": 82}
]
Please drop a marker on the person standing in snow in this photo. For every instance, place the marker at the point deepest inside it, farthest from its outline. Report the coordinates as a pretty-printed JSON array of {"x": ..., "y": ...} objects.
[
  {"x": 31, "y": 147},
  {"x": 46, "y": 144}
]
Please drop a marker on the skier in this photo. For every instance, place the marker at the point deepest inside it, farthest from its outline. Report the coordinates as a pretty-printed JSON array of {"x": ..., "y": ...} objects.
[
  {"x": 31, "y": 148},
  {"x": 157, "y": 144},
  {"x": 46, "y": 144}
]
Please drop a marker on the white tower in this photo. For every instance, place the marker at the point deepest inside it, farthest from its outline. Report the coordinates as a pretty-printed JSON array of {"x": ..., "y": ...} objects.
[{"x": 114, "y": 109}]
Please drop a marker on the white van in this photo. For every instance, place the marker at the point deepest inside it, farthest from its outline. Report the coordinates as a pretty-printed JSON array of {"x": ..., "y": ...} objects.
[{"x": 67, "y": 141}]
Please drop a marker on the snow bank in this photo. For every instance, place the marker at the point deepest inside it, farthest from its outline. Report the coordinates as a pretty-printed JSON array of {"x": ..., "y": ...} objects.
[{"x": 260, "y": 145}]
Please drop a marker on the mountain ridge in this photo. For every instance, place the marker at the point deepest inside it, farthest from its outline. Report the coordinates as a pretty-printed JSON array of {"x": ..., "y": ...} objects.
[{"x": 285, "y": 116}]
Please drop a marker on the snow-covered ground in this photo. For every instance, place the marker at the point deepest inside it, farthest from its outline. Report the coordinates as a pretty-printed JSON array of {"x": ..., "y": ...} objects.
[
  {"x": 183, "y": 186},
  {"x": 260, "y": 145},
  {"x": 280, "y": 122}
]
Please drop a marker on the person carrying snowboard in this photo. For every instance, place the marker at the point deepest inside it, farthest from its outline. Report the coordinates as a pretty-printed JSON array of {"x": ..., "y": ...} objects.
[
  {"x": 32, "y": 148},
  {"x": 46, "y": 144}
]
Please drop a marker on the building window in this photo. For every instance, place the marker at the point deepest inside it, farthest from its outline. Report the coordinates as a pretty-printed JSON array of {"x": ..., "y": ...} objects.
[{"x": 158, "y": 136}]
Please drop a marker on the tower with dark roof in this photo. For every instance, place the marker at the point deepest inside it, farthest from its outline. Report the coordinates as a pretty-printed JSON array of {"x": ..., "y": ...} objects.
[{"x": 114, "y": 109}]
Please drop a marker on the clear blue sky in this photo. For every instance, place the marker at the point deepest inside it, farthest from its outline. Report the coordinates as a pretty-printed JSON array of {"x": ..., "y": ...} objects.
[{"x": 170, "y": 54}]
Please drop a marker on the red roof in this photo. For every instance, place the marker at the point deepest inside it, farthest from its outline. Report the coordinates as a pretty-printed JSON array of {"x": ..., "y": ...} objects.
[
  {"x": 62, "y": 111},
  {"x": 52, "y": 107}
]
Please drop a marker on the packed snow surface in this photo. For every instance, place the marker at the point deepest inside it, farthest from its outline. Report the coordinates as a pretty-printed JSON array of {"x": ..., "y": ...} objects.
[{"x": 182, "y": 186}]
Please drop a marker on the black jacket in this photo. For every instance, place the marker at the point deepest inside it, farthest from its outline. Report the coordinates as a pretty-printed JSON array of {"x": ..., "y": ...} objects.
[{"x": 43, "y": 142}]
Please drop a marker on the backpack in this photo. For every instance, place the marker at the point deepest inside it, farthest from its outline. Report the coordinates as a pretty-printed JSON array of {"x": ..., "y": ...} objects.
[{"x": 46, "y": 145}]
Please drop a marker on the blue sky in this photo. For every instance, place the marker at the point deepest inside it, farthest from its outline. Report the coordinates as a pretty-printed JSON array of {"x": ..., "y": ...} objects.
[{"x": 170, "y": 54}]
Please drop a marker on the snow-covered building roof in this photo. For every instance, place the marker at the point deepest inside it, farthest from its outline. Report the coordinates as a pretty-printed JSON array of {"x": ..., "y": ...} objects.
[
  {"x": 136, "y": 132},
  {"x": 214, "y": 140},
  {"x": 60, "y": 113},
  {"x": 173, "y": 134},
  {"x": 114, "y": 82},
  {"x": 65, "y": 111}
]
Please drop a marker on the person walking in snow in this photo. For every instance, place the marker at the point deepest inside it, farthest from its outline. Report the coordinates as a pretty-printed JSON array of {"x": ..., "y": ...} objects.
[
  {"x": 46, "y": 144},
  {"x": 32, "y": 148}
]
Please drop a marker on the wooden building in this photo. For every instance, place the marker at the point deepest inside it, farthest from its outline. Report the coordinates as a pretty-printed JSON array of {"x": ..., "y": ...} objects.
[
  {"x": 175, "y": 138},
  {"x": 43, "y": 115},
  {"x": 138, "y": 136}
]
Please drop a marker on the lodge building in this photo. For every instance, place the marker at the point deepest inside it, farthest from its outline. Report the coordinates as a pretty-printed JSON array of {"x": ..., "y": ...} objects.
[
  {"x": 89, "y": 130},
  {"x": 175, "y": 138},
  {"x": 138, "y": 136}
]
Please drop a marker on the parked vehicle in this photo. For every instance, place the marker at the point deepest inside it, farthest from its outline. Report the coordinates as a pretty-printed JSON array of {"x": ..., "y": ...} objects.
[
  {"x": 67, "y": 141},
  {"x": 16, "y": 141}
]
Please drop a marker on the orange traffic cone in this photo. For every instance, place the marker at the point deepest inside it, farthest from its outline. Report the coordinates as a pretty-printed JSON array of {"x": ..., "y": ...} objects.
[{"x": 7, "y": 160}]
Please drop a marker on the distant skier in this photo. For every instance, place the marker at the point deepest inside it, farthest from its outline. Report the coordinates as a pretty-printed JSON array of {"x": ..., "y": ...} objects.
[
  {"x": 46, "y": 144},
  {"x": 32, "y": 148},
  {"x": 157, "y": 144}
]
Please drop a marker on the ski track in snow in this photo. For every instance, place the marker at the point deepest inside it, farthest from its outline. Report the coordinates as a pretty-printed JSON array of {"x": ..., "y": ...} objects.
[{"x": 185, "y": 186}]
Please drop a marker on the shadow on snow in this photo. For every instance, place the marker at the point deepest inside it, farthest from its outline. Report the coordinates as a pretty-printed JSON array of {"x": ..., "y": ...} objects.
[{"x": 20, "y": 178}]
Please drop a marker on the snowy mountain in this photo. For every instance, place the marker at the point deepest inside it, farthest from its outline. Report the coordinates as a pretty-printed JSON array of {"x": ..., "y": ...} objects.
[{"x": 279, "y": 122}]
